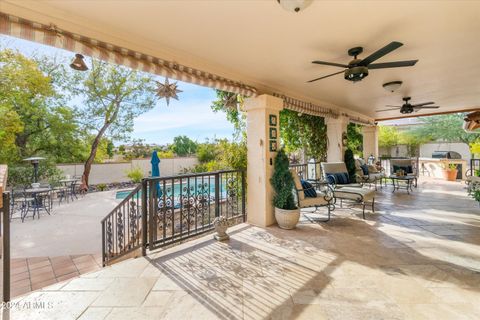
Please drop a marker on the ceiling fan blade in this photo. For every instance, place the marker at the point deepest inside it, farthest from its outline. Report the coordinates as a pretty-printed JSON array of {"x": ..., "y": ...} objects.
[
  {"x": 427, "y": 107},
  {"x": 396, "y": 64},
  {"x": 388, "y": 109},
  {"x": 380, "y": 53},
  {"x": 326, "y": 76},
  {"x": 390, "y": 106},
  {"x": 330, "y": 64},
  {"x": 422, "y": 104}
]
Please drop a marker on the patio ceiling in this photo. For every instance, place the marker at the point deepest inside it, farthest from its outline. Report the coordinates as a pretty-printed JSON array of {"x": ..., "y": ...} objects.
[{"x": 261, "y": 44}]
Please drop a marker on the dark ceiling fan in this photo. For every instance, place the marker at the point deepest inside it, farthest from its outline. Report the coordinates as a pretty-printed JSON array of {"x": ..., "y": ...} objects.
[
  {"x": 409, "y": 108},
  {"x": 357, "y": 69}
]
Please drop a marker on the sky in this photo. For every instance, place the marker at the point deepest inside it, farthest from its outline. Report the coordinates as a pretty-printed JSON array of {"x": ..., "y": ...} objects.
[{"x": 190, "y": 116}]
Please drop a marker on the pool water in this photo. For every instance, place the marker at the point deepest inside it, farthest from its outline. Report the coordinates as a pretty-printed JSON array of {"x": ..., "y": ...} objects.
[{"x": 208, "y": 187}]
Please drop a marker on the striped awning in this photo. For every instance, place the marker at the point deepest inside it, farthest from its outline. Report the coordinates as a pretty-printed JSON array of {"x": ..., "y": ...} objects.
[
  {"x": 306, "y": 107},
  {"x": 53, "y": 36}
]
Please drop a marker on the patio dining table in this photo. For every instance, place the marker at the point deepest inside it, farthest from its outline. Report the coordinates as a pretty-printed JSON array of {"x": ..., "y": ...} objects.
[{"x": 39, "y": 202}]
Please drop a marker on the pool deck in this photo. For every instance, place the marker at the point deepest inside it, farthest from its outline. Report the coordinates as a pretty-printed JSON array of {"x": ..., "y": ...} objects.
[{"x": 71, "y": 229}]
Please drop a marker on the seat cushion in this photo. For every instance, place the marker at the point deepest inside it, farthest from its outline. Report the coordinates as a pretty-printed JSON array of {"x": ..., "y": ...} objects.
[
  {"x": 308, "y": 189},
  {"x": 312, "y": 202},
  {"x": 298, "y": 184},
  {"x": 338, "y": 177},
  {"x": 375, "y": 176},
  {"x": 352, "y": 193}
]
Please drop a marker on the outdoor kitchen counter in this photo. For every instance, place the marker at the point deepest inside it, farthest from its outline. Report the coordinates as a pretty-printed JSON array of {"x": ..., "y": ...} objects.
[{"x": 431, "y": 167}]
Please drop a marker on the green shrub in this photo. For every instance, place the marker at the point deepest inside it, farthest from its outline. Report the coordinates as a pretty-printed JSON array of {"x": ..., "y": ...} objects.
[
  {"x": 101, "y": 186},
  {"x": 22, "y": 174},
  {"x": 135, "y": 174},
  {"x": 476, "y": 195},
  {"x": 207, "y": 152},
  {"x": 350, "y": 164},
  {"x": 282, "y": 183}
]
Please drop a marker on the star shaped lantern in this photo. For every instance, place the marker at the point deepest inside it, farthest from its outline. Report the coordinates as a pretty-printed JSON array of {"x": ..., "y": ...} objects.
[{"x": 168, "y": 90}]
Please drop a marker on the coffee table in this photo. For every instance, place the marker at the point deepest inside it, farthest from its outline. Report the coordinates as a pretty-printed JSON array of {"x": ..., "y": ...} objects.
[{"x": 407, "y": 182}]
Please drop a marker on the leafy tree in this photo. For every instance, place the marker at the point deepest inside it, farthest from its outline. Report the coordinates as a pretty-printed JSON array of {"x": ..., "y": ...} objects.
[
  {"x": 183, "y": 146},
  {"x": 34, "y": 109},
  {"x": 447, "y": 127},
  {"x": 387, "y": 137},
  {"x": 413, "y": 142},
  {"x": 207, "y": 152},
  {"x": 233, "y": 112},
  {"x": 113, "y": 96},
  {"x": 232, "y": 155}
]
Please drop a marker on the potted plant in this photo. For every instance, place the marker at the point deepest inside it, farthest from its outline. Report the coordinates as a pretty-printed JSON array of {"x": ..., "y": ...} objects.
[
  {"x": 450, "y": 172},
  {"x": 476, "y": 196},
  {"x": 287, "y": 213}
]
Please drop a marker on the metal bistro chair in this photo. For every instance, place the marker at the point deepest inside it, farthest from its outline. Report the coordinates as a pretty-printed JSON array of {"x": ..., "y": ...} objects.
[{"x": 19, "y": 202}]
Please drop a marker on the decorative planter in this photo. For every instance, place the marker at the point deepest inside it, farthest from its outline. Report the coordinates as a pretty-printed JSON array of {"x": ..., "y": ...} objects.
[
  {"x": 287, "y": 219},
  {"x": 450, "y": 175},
  {"x": 221, "y": 225}
]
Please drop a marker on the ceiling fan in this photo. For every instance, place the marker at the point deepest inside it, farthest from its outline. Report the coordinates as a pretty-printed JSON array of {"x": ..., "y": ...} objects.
[
  {"x": 409, "y": 108},
  {"x": 357, "y": 69}
]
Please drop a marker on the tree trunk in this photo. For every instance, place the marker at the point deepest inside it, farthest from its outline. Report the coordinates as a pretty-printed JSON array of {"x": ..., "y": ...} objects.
[{"x": 91, "y": 157}]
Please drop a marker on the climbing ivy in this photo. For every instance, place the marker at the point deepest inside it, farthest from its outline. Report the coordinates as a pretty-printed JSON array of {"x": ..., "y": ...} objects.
[{"x": 298, "y": 131}]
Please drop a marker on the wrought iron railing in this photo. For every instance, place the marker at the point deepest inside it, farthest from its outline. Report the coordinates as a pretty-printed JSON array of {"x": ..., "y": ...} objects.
[
  {"x": 180, "y": 207},
  {"x": 165, "y": 210},
  {"x": 309, "y": 170},
  {"x": 122, "y": 227}
]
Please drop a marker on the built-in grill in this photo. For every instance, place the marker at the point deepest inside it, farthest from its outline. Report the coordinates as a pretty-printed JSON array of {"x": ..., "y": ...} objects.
[{"x": 446, "y": 155}]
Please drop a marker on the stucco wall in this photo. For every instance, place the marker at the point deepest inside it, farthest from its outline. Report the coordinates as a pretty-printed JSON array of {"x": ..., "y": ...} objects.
[
  {"x": 117, "y": 172},
  {"x": 427, "y": 149}
]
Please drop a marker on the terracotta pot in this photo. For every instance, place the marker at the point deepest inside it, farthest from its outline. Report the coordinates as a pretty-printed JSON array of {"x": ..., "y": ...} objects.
[
  {"x": 450, "y": 175},
  {"x": 287, "y": 219}
]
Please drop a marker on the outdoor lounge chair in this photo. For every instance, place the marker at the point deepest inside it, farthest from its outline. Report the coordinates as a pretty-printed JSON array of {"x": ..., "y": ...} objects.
[
  {"x": 324, "y": 197},
  {"x": 368, "y": 173},
  {"x": 350, "y": 191}
]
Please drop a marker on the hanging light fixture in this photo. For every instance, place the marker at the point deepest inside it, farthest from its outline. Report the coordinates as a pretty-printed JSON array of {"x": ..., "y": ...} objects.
[
  {"x": 392, "y": 86},
  {"x": 78, "y": 63},
  {"x": 294, "y": 5}
]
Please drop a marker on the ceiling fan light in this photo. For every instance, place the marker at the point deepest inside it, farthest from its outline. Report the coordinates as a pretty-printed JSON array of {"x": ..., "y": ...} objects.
[
  {"x": 356, "y": 73},
  {"x": 78, "y": 63},
  {"x": 294, "y": 5},
  {"x": 392, "y": 86}
]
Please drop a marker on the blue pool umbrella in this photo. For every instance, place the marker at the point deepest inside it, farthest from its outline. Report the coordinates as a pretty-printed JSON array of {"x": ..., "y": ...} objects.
[{"x": 155, "y": 161}]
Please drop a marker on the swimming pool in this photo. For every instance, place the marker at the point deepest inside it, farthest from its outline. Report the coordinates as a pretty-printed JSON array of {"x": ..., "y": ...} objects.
[{"x": 207, "y": 187}]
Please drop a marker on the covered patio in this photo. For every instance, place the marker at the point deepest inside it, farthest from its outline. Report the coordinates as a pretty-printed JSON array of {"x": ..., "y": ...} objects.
[{"x": 417, "y": 257}]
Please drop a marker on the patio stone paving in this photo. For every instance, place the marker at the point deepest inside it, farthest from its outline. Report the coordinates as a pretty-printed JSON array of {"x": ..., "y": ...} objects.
[
  {"x": 416, "y": 257},
  {"x": 36, "y": 273}
]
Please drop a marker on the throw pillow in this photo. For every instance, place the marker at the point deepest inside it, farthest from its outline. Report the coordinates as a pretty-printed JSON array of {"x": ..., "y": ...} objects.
[
  {"x": 308, "y": 189},
  {"x": 364, "y": 169},
  {"x": 407, "y": 169},
  {"x": 339, "y": 177}
]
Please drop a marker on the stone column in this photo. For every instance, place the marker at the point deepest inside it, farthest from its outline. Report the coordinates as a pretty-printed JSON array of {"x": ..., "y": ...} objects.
[
  {"x": 370, "y": 141},
  {"x": 335, "y": 130},
  {"x": 260, "y": 209}
]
